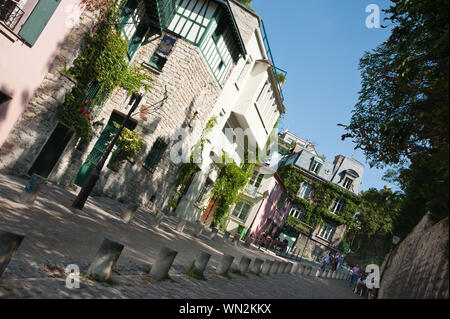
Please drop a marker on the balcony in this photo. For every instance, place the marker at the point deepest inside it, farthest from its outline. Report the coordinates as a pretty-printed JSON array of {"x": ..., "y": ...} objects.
[
  {"x": 10, "y": 13},
  {"x": 251, "y": 190}
]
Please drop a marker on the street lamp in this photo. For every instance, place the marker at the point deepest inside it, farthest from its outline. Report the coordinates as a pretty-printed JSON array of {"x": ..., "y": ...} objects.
[{"x": 93, "y": 177}]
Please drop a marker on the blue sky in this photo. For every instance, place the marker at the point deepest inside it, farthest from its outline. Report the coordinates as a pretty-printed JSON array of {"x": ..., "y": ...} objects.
[{"x": 319, "y": 43}]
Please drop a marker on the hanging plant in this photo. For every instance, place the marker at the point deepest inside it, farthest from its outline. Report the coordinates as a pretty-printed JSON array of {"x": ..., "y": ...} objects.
[{"x": 103, "y": 61}]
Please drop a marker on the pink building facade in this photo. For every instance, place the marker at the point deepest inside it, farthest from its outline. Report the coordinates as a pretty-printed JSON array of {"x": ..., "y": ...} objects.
[
  {"x": 273, "y": 211},
  {"x": 31, "y": 35}
]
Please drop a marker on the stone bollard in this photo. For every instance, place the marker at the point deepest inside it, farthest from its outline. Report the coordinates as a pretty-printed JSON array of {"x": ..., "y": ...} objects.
[
  {"x": 226, "y": 236},
  {"x": 158, "y": 219},
  {"x": 33, "y": 188},
  {"x": 308, "y": 270},
  {"x": 214, "y": 232},
  {"x": 265, "y": 269},
  {"x": 275, "y": 266},
  {"x": 282, "y": 267},
  {"x": 295, "y": 268},
  {"x": 106, "y": 258},
  {"x": 257, "y": 263},
  {"x": 289, "y": 268},
  {"x": 318, "y": 272},
  {"x": 224, "y": 265},
  {"x": 248, "y": 242},
  {"x": 164, "y": 260},
  {"x": 9, "y": 243},
  {"x": 333, "y": 275},
  {"x": 129, "y": 213},
  {"x": 236, "y": 239},
  {"x": 199, "y": 264},
  {"x": 244, "y": 264},
  {"x": 329, "y": 273},
  {"x": 198, "y": 228},
  {"x": 180, "y": 225}
]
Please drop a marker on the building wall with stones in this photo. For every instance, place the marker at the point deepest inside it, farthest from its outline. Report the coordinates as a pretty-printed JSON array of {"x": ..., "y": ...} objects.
[
  {"x": 418, "y": 266},
  {"x": 191, "y": 88},
  {"x": 38, "y": 120}
]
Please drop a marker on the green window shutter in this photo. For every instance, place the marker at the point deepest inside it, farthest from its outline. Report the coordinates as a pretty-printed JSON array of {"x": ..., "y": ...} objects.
[
  {"x": 126, "y": 12},
  {"x": 135, "y": 41},
  {"x": 155, "y": 154},
  {"x": 37, "y": 20}
]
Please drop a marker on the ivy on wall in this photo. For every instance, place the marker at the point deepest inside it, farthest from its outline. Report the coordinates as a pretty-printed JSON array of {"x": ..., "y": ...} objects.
[
  {"x": 103, "y": 60},
  {"x": 317, "y": 212},
  {"x": 187, "y": 170},
  {"x": 226, "y": 190}
]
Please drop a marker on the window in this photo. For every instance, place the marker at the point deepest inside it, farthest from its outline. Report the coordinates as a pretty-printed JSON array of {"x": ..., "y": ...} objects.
[
  {"x": 164, "y": 49},
  {"x": 256, "y": 179},
  {"x": 348, "y": 183},
  {"x": 132, "y": 25},
  {"x": 241, "y": 211},
  {"x": 305, "y": 190},
  {"x": 205, "y": 189},
  {"x": 315, "y": 166},
  {"x": 297, "y": 212},
  {"x": 11, "y": 12},
  {"x": 282, "y": 200},
  {"x": 155, "y": 154},
  {"x": 337, "y": 205},
  {"x": 244, "y": 71},
  {"x": 37, "y": 20},
  {"x": 4, "y": 97},
  {"x": 327, "y": 232}
]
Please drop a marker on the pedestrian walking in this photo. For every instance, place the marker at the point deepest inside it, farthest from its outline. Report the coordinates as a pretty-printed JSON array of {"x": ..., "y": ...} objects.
[
  {"x": 325, "y": 260},
  {"x": 355, "y": 271},
  {"x": 340, "y": 261}
]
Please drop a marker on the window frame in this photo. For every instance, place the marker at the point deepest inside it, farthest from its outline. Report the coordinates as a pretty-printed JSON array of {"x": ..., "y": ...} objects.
[
  {"x": 310, "y": 185},
  {"x": 328, "y": 227}
]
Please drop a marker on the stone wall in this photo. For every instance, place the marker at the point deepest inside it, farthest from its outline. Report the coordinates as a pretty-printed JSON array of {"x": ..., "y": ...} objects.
[
  {"x": 191, "y": 89},
  {"x": 38, "y": 121},
  {"x": 418, "y": 267}
]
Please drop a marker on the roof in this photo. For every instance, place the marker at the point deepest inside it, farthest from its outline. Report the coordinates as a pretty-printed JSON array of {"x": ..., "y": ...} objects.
[{"x": 232, "y": 22}]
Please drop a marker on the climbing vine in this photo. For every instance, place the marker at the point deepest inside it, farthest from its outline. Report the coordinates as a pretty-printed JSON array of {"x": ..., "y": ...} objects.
[
  {"x": 102, "y": 66},
  {"x": 317, "y": 212},
  {"x": 226, "y": 190},
  {"x": 187, "y": 170}
]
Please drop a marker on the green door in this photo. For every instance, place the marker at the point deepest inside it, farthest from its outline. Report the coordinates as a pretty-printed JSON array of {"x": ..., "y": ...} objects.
[
  {"x": 100, "y": 147},
  {"x": 51, "y": 151},
  {"x": 241, "y": 231},
  {"x": 95, "y": 155}
]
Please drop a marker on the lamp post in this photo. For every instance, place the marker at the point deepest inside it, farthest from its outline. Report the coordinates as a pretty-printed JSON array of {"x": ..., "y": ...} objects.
[{"x": 93, "y": 177}]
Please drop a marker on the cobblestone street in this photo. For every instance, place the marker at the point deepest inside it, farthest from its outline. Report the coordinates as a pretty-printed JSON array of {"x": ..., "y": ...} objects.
[{"x": 56, "y": 236}]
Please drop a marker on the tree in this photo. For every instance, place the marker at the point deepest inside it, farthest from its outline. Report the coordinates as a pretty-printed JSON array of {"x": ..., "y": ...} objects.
[
  {"x": 247, "y": 3},
  {"x": 401, "y": 117},
  {"x": 402, "y": 110},
  {"x": 371, "y": 233}
]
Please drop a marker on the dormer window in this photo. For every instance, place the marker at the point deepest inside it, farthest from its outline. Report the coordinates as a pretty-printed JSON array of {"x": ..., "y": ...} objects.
[
  {"x": 348, "y": 182},
  {"x": 315, "y": 166}
]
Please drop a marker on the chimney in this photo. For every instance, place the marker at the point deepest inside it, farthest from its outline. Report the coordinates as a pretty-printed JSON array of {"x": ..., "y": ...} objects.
[{"x": 338, "y": 160}]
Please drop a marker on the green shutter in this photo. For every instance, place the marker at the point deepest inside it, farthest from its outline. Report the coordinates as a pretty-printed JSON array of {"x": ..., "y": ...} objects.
[
  {"x": 126, "y": 12},
  {"x": 136, "y": 39},
  {"x": 155, "y": 154},
  {"x": 37, "y": 20}
]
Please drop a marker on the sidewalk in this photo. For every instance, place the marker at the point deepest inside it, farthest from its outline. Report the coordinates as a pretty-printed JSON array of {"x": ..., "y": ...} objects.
[{"x": 58, "y": 236}]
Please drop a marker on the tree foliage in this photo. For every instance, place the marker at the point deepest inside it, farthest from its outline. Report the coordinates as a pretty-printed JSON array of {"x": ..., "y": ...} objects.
[
  {"x": 370, "y": 236},
  {"x": 402, "y": 110},
  {"x": 401, "y": 118}
]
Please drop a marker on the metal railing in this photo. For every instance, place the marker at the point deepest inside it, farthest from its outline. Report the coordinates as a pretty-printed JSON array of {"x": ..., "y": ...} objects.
[
  {"x": 10, "y": 13},
  {"x": 276, "y": 70}
]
